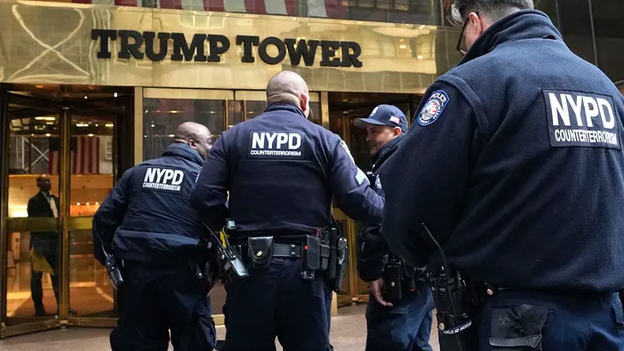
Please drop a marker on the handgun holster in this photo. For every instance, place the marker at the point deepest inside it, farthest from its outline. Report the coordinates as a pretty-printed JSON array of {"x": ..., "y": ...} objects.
[{"x": 260, "y": 250}]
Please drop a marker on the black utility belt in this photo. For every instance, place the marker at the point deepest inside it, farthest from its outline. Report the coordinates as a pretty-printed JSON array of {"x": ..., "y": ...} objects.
[
  {"x": 258, "y": 251},
  {"x": 323, "y": 253}
]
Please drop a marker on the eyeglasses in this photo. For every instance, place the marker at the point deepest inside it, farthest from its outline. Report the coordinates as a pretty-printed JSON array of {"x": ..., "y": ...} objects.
[{"x": 462, "y": 49}]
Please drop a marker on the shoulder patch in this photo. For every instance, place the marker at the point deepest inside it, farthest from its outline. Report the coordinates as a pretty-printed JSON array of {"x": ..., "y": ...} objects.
[
  {"x": 346, "y": 149},
  {"x": 433, "y": 108},
  {"x": 378, "y": 183}
]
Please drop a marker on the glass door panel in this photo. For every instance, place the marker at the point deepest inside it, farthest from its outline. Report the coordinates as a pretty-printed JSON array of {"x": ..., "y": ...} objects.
[
  {"x": 32, "y": 225},
  {"x": 250, "y": 103},
  {"x": 166, "y": 109},
  {"x": 92, "y": 169}
]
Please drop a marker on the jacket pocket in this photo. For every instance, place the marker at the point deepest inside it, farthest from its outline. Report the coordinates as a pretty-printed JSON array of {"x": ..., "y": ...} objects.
[{"x": 518, "y": 328}]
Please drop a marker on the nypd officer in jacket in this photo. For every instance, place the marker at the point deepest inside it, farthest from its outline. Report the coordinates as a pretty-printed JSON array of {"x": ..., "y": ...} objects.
[
  {"x": 148, "y": 224},
  {"x": 281, "y": 171},
  {"x": 514, "y": 164},
  {"x": 398, "y": 319}
]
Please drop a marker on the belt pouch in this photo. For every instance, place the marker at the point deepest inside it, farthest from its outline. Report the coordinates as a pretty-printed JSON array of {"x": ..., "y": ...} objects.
[
  {"x": 392, "y": 274},
  {"x": 310, "y": 257},
  {"x": 260, "y": 250}
]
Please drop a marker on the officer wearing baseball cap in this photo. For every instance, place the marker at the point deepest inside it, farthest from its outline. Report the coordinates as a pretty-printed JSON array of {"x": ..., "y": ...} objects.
[
  {"x": 397, "y": 318},
  {"x": 384, "y": 115}
]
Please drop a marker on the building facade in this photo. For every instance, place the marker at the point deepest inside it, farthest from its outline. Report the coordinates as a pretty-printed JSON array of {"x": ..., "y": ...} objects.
[{"x": 91, "y": 87}]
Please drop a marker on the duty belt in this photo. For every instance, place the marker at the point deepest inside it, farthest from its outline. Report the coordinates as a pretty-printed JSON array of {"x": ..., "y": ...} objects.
[{"x": 287, "y": 250}]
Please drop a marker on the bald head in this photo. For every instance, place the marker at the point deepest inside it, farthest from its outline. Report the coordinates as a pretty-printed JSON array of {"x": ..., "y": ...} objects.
[
  {"x": 289, "y": 87},
  {"x": 43, "y": 183},
  {"x": 195, "y": 135}
]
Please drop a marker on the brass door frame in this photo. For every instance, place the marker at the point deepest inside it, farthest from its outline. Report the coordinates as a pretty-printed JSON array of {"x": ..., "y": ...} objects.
[
  {"x": 64, "y": 224},
  {"x": 7, "y": 225}
]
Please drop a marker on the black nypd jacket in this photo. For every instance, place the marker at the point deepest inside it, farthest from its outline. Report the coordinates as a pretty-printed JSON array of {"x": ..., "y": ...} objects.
[
  {"x": 374, "y": 250},
  {"x": 280, "y": 171},
  {"x": 147, "y": 216},
  {"x": 515, "y": 164}
]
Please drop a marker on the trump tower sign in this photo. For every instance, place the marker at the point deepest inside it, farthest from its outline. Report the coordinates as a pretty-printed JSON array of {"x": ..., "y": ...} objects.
[{"x": 271, "y": 50}]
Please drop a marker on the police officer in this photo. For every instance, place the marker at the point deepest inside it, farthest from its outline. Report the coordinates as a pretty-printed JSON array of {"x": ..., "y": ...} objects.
[
  {"x": 397, "y": 321},
  {"x": 281, "y": 171},
  {"x": 148, "y": 224},
  {"x": 514, "y": 164}
]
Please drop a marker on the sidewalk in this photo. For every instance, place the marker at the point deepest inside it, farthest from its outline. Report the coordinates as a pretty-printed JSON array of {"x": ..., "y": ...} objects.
[{"x": 348, "y": 334}]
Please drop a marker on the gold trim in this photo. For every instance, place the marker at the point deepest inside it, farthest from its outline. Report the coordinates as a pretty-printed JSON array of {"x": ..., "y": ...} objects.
[
  {"x": 314, "y": 97},
  {"x": 138, "y": 125},
  {"x": 80, "y": 223},
  {"x": 325, "y": 110},
  {"x": 65, "y": 189},
  {"x": 4, "y": 205},
  {"x": 249, "y": 95},
  {"x": 26, "y": 328},
  {"x": 192, "y": 94},
  {"x": 93, "y": 322},
  {"x": 219, "y": 319},
  {"x": 33, "y": 224}
]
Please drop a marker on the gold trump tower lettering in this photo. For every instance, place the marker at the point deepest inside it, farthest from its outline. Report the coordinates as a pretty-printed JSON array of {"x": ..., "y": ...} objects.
[{"x": 155, "y": 46}]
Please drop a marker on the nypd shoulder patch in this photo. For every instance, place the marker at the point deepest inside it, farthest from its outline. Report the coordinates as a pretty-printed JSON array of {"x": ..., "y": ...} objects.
[{"x": 433, "y": 108}]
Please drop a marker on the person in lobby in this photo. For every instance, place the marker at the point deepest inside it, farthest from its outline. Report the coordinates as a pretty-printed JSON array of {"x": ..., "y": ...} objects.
[
  {"x": 401, "y": 321},
  {"x": 45, "y": 245}
]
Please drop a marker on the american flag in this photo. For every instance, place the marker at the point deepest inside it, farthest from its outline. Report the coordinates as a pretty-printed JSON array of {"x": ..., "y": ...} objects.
[
  {"x": 316, "y": 8},
  {"x": 85, "y": 155}
]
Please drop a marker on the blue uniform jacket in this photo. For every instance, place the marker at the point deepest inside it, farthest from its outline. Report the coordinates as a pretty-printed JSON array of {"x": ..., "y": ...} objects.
[
  {"x": 373, "y": 255},
  {"x": 281, "y": 171},
  {"x": 514, "y": 162},
  {"x": 147, "y": 216}
]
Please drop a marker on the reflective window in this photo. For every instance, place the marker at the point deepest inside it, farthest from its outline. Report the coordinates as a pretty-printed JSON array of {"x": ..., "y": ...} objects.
[
  {"x": 574, "y": 22},
  {"x": 394, "y": 11},
  {"x": 609, "y": 24},
  {"x": 162, "y": 115}
]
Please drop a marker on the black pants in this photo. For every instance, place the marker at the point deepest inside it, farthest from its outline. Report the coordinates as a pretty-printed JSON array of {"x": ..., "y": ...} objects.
[
  {"x": 49, "y": 249},
  {"x": 155, "y": 300},
  {"x": 276, "y": 301}
]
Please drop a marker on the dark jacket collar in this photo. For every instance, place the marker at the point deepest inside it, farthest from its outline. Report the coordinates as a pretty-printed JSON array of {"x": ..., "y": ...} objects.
[
  {"x": 525, "y": 24},
  {"x": 184, "y": 151},
  {"x": 385, "y": 152},
  {"x": 284, "y": 106}
]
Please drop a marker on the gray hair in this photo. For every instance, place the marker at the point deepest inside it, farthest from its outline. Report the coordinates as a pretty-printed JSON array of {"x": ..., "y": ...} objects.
[{"x": 492, "y": 9}]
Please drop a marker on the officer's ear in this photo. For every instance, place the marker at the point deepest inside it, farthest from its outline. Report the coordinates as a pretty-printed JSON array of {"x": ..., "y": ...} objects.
[
  {"x": 304, "y": 104},
  {"x": 397, "y": 131}
]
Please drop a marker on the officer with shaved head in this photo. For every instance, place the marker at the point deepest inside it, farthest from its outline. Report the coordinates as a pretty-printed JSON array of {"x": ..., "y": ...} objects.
[
  {"x": 281, "y": 172},
  {"x": 147, "y": 225}
]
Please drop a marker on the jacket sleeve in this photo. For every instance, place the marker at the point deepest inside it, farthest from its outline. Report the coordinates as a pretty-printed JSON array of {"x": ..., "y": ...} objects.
[
  {"x": 351, "y": 188},
  {"x": 373, "y": 255},
  {"x": 109, "y": 216},
  {"x": 426, "y": 179},
  {"x": 210, "y": 195}
]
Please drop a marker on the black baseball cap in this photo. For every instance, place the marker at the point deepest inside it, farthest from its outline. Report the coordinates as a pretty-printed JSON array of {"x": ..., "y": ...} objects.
[{"x": 384, "y": 115}]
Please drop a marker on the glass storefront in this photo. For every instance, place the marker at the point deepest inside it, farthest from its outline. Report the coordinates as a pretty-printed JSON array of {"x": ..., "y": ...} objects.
[{"x": 592, "y": 29}]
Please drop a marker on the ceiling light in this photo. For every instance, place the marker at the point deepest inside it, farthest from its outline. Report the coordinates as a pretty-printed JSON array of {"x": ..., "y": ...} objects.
[
  {"x": 115, "y": 94},
  {"x": 44, "y": 118},
  {"x": 109, "y": 125}
]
